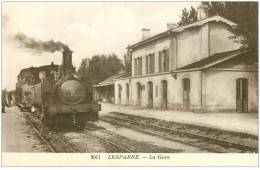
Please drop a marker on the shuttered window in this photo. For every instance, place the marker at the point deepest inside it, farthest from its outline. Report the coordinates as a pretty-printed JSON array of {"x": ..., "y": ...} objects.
[
  {"x": 165, "y": 58},
  {"x": 147, "y": 65},
  {"x": 136, "y": 67},
  {"x": 152, "y": 63},
  {"x": 160, "y": 62},
  {"x": 139, "y": 61}
]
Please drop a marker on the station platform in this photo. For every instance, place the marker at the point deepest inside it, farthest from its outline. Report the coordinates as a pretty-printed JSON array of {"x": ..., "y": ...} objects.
[{"x": 232, "y": 121}]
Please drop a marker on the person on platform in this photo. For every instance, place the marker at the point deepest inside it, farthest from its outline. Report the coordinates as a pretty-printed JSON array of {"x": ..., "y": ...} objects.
[
  {"x": 4, "y": 102},
  {"x": 9, "y": 99}
]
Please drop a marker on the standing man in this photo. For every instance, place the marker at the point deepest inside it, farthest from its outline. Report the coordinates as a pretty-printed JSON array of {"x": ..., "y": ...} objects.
[
  {"x": 3, "y": 101},
  {"x": 9, "y": 99}
]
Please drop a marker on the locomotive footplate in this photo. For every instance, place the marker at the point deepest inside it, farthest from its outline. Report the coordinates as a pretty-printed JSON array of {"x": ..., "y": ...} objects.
[{"x": 79, "y": 108}]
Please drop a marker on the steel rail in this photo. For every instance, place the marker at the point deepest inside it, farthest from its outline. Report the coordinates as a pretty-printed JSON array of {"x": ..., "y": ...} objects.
[
  {"x": 229, "y": 143},
  {"x": 73, "y": 150},
  {"x": 51, "y": 147},
  {"x": 169, "y": 138},
  {"x": 110, "y": 142}
]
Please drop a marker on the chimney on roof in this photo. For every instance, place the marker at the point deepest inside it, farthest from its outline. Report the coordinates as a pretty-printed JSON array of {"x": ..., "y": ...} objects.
[
  {"x": 203, "y": 12},
  {"x": 145, "y": 33},
  {"x": 171, "y": 25}
]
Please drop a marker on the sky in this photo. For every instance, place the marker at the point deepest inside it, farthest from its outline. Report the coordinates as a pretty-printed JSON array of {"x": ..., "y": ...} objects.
[{"x": 88, "y": 28}]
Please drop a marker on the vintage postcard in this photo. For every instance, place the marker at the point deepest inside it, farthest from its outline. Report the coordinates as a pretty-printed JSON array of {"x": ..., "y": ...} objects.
[{"x": 129, "y": 83}]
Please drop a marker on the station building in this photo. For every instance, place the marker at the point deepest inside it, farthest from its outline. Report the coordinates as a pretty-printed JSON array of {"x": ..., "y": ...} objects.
[
  {"x": 104, "y": 91},
  {"x": 195, "y": 67}
]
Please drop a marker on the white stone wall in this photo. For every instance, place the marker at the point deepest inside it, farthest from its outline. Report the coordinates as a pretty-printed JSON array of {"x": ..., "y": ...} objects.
[
  {"x": 124, "y": 100},
  {"x": 192, "y": 44},
  {"x": 209, "y": 90},
  {"x": 188, "y": 46},
  {"x": 219, "y": 38},
  {"x": 174, "y": 90},
  {"x": 221, "y": 90}
]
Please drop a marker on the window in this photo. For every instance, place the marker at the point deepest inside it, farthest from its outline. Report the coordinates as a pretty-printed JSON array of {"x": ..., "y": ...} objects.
[
  {"x": 165, "y": 58},
  {"x": 138, "y": 66},
  {"x": 150, "y": 64}
]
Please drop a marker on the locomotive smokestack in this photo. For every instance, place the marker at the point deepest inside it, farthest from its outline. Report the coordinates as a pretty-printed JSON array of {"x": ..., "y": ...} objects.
[{"x": 67, "y": 62}]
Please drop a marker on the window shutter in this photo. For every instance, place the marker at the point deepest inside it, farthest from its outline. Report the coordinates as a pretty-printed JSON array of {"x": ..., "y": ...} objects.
[
  {"x": 152, "y": 63},
  {"x": 138, "y": 63},
  {"x": 160, "y": 61},
  {"x": 167, "y": 60},
  {"x": 149, "y": 63},
  {"x": 146, "y": 57},
  {"x": 135, "y": 67},
  {"x": 141, "y": 65},
  {"x": 163, "y": 60}
]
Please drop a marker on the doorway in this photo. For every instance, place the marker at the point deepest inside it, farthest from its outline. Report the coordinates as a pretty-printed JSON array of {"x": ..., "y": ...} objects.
[
  {"x": 164, "y": 94},
  {"x": 150, "y": 95},
  {"x": 186, "y": 94},
  {"x": 242, "y": 95},
  {"x": 127, "y": 93},
  {"x": 119, "y": 94},
  {"x": 139, "y": 90}
]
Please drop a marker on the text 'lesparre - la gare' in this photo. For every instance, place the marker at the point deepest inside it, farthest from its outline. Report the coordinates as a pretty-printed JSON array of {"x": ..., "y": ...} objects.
[{"x": 138, "y": 157}]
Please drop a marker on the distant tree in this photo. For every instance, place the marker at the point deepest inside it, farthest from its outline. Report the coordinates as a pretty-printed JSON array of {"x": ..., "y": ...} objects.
[
  {"x": 128, "y": 62},
  {"x": 82, "y": 70},
  {"x": 188, "y": 16},
  {"x": 99, "y": 68}
]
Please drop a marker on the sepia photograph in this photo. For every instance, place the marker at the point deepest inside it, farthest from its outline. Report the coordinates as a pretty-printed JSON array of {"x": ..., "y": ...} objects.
[{"x": 129, "y": 83}]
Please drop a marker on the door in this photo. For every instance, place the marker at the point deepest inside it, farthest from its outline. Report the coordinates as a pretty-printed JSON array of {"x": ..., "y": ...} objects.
[
  {"x": 186, "y": 94},
  {"x": 119, "y": 94},
  {"x": 139, "y": 88},
  {"x": 127, "y": 93},
  {"x": 164, "y": 94},
  {"x": 242, "y": 95},
  {"x": 150, "y": 95}
]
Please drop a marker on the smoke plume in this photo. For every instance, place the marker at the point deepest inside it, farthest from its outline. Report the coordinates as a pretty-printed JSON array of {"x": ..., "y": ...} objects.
[{"x": 40, "y": 46}]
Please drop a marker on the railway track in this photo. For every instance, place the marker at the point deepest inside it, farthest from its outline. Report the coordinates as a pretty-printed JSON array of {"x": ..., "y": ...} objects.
[
  {"x": 41, "y": 136},
  {"x": 38, "y": 126},
  {"x": 109, "y": 142},
  {"x": 201, "y": 141},
  {"x": 55, "y": 143}
]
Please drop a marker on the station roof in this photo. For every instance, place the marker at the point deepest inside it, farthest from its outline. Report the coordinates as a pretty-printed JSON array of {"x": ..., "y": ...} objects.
[
  {"x": 110, "y": 80},
  {"x": 212, "y": 60}
]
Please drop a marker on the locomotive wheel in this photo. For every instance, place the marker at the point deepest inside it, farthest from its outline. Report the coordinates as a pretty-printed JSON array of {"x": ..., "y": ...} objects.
[
  {"x": 43, "y": 120},
  {"x": 56, "y": 125},
  {"x": 81, "y": 126}
]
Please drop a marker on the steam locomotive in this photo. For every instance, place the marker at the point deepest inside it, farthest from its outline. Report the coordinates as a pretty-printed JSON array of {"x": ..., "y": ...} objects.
[{"x": 61, "y": 99}]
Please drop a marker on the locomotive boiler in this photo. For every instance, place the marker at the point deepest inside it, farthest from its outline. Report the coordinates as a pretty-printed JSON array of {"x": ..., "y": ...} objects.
[{"x": 61, "y": 100}]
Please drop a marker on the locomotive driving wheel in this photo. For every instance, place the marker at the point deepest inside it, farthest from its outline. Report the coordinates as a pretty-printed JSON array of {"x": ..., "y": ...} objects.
[{"x": 81, "y": 125}]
